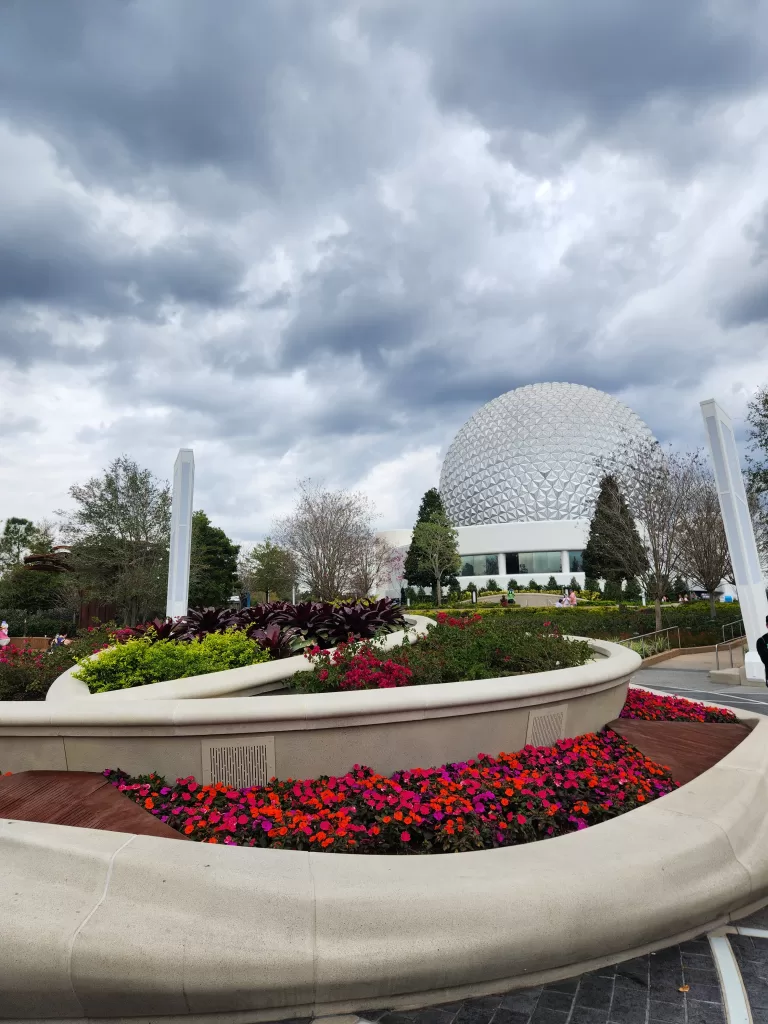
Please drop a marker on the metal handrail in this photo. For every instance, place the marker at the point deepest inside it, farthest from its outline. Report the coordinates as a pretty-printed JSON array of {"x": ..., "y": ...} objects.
[
  {"x": 656, "y": 632},
  {"x": 730, "y": 644},
  {"x": 730, "y": 625}
]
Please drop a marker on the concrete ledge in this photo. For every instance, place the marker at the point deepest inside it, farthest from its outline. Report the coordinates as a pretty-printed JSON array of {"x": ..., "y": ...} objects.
[
  {"x": 246, "y": 934},
  {"x": 306, "y": 735},
  {"x": 234, "y": 682}
]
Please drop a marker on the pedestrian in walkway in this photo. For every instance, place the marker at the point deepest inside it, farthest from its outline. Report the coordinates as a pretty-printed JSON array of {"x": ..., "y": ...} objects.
[{"x": 762, "y": 650}]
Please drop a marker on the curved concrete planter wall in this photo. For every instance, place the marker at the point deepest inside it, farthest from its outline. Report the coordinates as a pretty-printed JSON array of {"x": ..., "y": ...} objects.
[
  {"x": 245, "y": 740},
  {"x": 243, "y": 934}
]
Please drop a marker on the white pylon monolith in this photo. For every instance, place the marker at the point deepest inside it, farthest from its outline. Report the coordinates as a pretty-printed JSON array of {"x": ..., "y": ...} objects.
[
  {"x": 181, "y": 534},
  {"x": 745, "y": 559}
]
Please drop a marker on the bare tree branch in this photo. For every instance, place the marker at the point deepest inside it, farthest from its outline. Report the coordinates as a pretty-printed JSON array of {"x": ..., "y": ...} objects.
[{"x": 326, "y": 533}]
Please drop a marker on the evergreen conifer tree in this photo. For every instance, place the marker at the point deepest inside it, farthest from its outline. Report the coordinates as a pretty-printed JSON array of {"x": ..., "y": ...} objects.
[
  {"x": 431, "y": 506},
  {"x": 614, "y": 550}
]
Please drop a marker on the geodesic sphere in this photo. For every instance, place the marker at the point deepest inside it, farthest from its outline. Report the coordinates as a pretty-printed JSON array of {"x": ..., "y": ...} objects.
[{"x": 534, "y": 454}]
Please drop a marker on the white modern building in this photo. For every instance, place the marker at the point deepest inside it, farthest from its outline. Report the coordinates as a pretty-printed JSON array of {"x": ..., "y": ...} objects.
[{"x": 520, "y": 479}]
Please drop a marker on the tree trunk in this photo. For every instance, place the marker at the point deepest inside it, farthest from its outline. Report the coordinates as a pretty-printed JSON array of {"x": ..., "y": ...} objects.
[
  {"x": 438, "y": 590},
  {"x": 657, "y": 605},
  {"x": 712, "y": 609}
]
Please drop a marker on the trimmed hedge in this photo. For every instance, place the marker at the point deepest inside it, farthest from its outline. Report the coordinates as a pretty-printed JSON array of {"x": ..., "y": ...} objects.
[
  {"x": 44, "y": 623},
  {"x": 697, "y": 629}
]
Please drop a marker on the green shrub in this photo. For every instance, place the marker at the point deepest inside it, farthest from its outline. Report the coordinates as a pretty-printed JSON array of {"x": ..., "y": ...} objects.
[
  {"x": 139, "y": 662},
  {"x": 602, "y": 623},
  {"x": 464, "y": 648},
  {"x": 27, "y": 675},
  {"x": 613, "y": 591},
  {"x": 42, "y": 623}
]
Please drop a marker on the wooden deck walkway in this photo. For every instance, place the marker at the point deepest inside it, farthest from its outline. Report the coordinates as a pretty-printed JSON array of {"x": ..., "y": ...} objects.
[
  {"x": 686, "y": 748},
  {"x": 83, "y": 799}
]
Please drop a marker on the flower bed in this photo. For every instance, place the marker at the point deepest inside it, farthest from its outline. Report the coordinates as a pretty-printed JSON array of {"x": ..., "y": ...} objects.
[
  {"x": 651, "y": 707},
  {"x": 456, "y": 648},
  {"x": 26, "y": 674},
  {"x": 211, "y": 640},
  {"x": 486, "y": 802},
  {"x": 480, "y": 804},
  {"x": 696, "y": 626}
]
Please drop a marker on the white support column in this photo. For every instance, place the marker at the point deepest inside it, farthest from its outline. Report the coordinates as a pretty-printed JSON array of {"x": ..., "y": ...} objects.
[
  {"x": 738, "y": 531},
  {"x": 181, "y": 534},
  {"x": 565, "y": 562},
  {"x": 502, "y": 563}
]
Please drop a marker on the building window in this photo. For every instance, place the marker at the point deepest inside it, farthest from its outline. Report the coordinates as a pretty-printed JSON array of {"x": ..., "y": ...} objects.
[
  {"x": 533, "y": 561},
  {"x": 576, "y": 560},
  {"x": 479, "y": 565}
]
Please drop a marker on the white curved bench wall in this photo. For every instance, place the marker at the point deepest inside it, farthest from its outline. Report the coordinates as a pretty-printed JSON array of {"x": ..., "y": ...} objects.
[
  {"x": 318, "y": 734},
  {"x": 97, "y": 925}
]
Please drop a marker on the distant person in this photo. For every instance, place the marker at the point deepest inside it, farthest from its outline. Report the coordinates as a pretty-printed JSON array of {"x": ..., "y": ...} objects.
[
  {"x": 4, "y": 638},
  {"x": 572, "y": 599},
  {"x": 762, "y": 650}
]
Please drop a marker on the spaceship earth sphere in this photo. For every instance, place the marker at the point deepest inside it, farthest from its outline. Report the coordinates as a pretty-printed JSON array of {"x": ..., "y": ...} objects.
[{"x": 534, "y": 454}]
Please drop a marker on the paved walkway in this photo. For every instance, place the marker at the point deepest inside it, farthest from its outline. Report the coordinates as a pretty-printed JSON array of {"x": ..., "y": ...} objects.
[
  {"x": 696, "y": 685},
  {"x": 713, "y": 979}
]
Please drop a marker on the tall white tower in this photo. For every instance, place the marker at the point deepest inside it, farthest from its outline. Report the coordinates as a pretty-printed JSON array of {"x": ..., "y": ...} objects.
[
  {"x": 177, "y": 603},
  {"x": 738, "y": 530}
]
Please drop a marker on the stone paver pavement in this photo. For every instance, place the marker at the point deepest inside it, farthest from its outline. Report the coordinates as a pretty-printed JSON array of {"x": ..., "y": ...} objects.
[{"x": 677, "y": 985}]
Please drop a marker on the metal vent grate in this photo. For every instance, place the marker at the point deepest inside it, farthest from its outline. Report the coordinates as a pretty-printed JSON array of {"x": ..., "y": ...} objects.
[
  {"x": 546, "y": 726},
  {"x": 239, "y": 763}
]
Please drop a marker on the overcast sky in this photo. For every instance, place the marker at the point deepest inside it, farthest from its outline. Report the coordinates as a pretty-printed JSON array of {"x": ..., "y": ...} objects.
[{"x": 311, "y": 238}]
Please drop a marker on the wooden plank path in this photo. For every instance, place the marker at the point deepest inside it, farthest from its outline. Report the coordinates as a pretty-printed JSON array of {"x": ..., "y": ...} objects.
[
  {"x": 83, "y": 799},
  {"x": 686, "y": 748}
]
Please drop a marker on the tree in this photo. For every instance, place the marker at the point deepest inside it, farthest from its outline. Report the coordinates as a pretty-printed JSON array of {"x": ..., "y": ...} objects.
[
  {"x": 437, "y": 550},
  {"x": 552, "y": 584},
  {"x": 269, "y": 569},
  {"x": 31, "y": 591},
  {"x": 431, "y": 504},
  {"x": 375, "y": 565},
  {"x": 632, "y": 590},
  {"x": 212, "y": 564},
  {"x": 574, "y": 585},
  {"x": 703, "y": 549},
  {"x": 21, "y": 536},
  {"x": 613, "y": 590},
  {"x": 119, "y": 531},
  {"x": 757, "y": 417},
  {"x": 658, "y": 500},
  {"x": 614, "y": 550},
  {"x": 757, "y": 471},
  {"x": 324, "y": 534}
]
